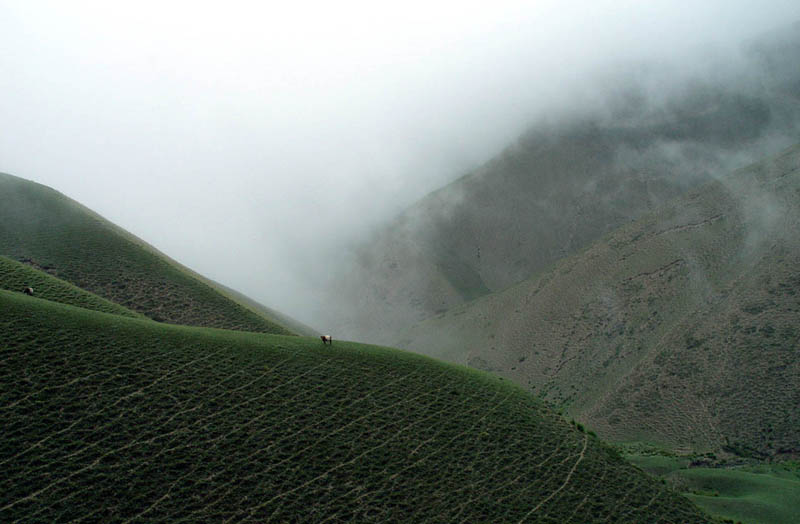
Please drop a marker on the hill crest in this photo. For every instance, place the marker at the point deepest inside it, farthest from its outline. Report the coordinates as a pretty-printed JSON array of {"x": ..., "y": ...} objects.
[{"x": 47, "y": 230}]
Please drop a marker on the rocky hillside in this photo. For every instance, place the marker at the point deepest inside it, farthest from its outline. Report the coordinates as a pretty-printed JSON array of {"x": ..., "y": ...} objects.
[
  {"x": 564, "y": 185},
  {"x": 680, "y": 328}
]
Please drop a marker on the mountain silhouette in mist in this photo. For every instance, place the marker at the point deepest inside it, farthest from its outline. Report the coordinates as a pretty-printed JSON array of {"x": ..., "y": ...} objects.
[{"x": 564, "y": 185}]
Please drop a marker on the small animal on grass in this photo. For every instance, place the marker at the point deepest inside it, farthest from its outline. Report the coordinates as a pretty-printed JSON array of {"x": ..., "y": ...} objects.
[
  {"x": 326, "y": 339},
  {"x": 28, "y": 291}
]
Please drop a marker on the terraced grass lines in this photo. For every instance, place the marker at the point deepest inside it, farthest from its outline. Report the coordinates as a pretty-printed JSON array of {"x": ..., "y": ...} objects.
[
  {"x": 109, "y": 418},
  {"x": 15, "y": 276}
]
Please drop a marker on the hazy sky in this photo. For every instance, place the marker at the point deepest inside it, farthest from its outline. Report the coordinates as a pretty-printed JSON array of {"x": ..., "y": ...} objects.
[{"x": 250, "y": 140}]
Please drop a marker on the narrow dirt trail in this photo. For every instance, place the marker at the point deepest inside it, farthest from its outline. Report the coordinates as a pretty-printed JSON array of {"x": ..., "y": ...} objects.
[{"x": 564, "y": 485}]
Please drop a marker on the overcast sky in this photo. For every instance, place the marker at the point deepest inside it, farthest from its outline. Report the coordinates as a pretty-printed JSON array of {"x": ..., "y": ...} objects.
[{"x": 249, "y": 139}]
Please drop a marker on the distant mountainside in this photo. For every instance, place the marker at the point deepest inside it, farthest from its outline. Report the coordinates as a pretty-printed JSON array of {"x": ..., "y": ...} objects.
[
  {"x": 564, "y": 185},
  {"x": 48, "y": 231},
  {"x": 682, "y": 328},
  {"x": 109, "y": 418}
]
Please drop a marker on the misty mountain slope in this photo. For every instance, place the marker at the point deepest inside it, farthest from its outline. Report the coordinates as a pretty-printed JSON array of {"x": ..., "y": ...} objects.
[
  {"x": 15, "y": 276},
  {"x": 565, "y": 184},
  {"x": 109, "y": 418},
  {"x": 538, "y": 202},
  {"x": 44, "y": 229},
  {"x": 680, "y": 329}
]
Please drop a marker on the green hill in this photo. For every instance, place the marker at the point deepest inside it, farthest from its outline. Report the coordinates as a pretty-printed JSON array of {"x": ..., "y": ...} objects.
[
  {"x": 756, "y": 494},
  {"x": 679, "y": 329},
  {"x": 15, "y": 276},
  {"x": 110, "y": 418},
  {"x": 743, "y": 496},
  {"x": 48, "y": 231}
]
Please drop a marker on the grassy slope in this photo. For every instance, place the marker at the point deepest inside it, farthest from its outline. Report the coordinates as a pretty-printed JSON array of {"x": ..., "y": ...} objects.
[
  {"x": 754, "y": 498},
  {"x": 765, "y": 494},
  {"x": 15, "y": 276},
  {"x": 111, "y": 418},
  {"x": 49, "y": 231},
  {"x": 680, "y": 328}
]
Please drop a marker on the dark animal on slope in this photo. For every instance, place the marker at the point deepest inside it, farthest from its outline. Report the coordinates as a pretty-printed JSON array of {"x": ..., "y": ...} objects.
[
  {"x": 326, "y": 339},
  {"x": 28, "y": 291}
]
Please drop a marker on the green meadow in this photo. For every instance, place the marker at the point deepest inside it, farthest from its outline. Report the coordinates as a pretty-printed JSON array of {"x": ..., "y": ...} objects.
[
  {"x": 750, "y": 493},
  {"x": 110, "y": 418}
]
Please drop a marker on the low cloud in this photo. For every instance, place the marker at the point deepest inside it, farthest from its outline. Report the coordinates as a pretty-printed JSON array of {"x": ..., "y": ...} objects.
[{"x": 254, "y": 144}]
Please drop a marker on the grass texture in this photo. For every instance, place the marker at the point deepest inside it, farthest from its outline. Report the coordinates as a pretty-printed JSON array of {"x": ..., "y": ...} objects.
[
  {"x": 754, "y": 494},
  {"x": 15, "y": 276},
  {"x": 46, "y": 230},
  {"x": 108, "y": 418},
  {"x": 754, "y": 498}
]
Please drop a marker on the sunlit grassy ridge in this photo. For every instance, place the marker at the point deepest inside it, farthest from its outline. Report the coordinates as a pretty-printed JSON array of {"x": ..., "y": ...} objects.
[
  {"x": 111, "y": 418},
  {"x": 47, "y": 230},
  {"x": 15, "y": 276}
]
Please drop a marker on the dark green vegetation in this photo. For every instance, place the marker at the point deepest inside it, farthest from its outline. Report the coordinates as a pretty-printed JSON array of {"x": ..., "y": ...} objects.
[
  {"x": 15, "y": 276},
  {"x": 111, "y": 418},
  {"x": 755, "y": 494},
  {"x": 48, "y": 231},
  {"x": 679, "y": 329}
]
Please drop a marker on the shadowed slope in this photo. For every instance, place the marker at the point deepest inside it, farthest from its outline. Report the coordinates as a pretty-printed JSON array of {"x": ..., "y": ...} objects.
[
  {"x": 109, "y": 418},
  {"x": 680, "y": 328},
  {"x": 15, "y": 276},
  {"x": 45, "y": 229}
]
